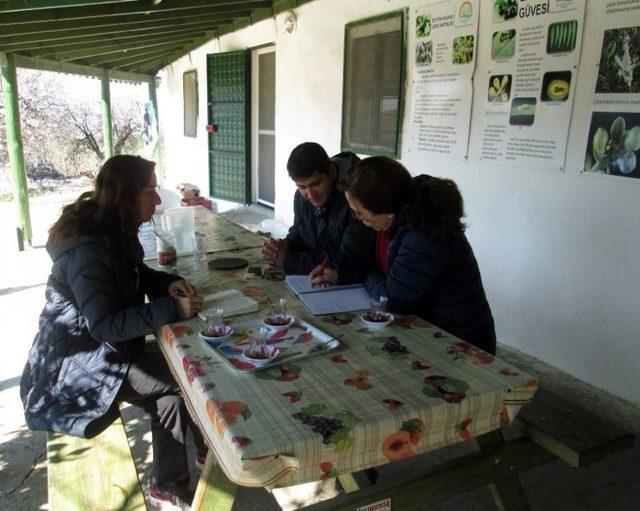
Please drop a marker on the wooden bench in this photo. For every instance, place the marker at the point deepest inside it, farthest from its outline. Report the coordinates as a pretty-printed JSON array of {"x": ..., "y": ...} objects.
[
  {"x": 551, "y": 428},
  {"x": 93, "y": 474}
]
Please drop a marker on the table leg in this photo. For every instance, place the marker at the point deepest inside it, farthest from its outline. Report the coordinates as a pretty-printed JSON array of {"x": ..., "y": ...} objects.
[
  {"x": 508, "y": 493},
  {"x": 348, "y": 483},
  {"x": 214, "y": 492}
]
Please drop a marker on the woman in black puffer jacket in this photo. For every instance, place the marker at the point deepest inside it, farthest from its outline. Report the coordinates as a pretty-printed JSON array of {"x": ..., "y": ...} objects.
[
  {"x": 424, "y": 264},
  {"x": 89, "y": 352}
]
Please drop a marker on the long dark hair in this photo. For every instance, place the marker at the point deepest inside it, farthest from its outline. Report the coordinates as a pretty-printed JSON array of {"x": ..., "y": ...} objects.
[
  {"x": 431, "y": 205},
  {"x": 110, "y": 212}
]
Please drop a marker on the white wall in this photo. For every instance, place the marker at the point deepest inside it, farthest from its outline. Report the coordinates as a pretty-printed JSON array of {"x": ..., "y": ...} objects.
[{"x": 558, "y": 251}]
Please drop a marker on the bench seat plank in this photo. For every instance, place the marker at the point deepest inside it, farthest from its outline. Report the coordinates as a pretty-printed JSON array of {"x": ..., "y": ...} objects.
[
  {"x": 570, "y": 432},
  {"x": 93, "y": 474}
]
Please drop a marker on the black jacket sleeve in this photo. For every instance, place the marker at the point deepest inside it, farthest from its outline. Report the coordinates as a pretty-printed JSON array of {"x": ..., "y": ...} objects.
[
  {"x": 155, "y": 283},
  {"x": 356, "y": 250},
  {"x": 294, "y": 238},
  {"x": 411, "y": 275},
  {"x": 91, "y": 280},
  {"x": 299, "y": 259}
]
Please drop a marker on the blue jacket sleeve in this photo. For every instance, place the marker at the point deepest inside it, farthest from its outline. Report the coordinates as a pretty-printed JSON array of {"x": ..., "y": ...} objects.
[
  {"x": 91, "y": 280},
  {"x": 411, "y": 275}
]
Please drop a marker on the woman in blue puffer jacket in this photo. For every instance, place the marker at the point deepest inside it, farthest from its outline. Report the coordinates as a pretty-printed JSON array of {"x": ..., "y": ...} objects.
[
  {"x": 89, "y": 352},
  {"x": 424, "y": 264}
]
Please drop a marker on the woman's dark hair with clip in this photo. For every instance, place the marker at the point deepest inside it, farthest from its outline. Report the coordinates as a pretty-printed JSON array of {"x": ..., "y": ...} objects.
[
  {"x": 109, "y": 213},
  {"x": 431, "y": 205}
]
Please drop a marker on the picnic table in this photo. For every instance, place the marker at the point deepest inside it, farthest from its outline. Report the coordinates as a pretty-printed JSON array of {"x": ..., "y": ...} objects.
[{"x": 358, "y": 407}]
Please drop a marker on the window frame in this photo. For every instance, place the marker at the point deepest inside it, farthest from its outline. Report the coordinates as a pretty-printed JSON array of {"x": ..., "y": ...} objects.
[
  {"x": 193, "y": 72},
  {"x": 404, "y": 23}
]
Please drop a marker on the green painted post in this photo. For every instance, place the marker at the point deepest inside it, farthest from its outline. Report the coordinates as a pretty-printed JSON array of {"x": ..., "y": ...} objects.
[
  {"x": 106, "y": 116},
  {"x": 14, "y": 145},
  {"x": 153, "y": 97}
]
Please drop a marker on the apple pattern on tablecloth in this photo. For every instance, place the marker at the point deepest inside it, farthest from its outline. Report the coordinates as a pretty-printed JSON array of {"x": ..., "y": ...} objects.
[
  {"x": 293, "y": 395},
  {"x": 468, "y": 352},
  {"x": 461, "y": 429},
  {"x": 194, "y": 367},
  {"x": 340, "y": 319},
  {"x": 402, "y": 444},
  {"x": 360, "y": 381},
  {"x": 393, "y": 404},
  {"x": 225, "y": 413},
  {"x": 328, "y": 470}
]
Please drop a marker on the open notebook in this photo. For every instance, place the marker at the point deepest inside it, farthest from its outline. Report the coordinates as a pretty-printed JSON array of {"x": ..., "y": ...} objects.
[
  {"x": 329, "y": 300},
  {"x": 232, "y": 301}
]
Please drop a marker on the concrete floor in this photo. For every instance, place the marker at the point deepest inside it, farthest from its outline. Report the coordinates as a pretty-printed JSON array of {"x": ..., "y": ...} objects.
[{"x": 611, "y": 484}]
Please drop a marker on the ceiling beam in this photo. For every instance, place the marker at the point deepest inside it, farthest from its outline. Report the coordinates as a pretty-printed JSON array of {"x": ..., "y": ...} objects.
[
  {"x": 30, "y": 5},
  {"x": 121, "y": 9},
  {"x": 106, "y": 21},
  {"x": 175, "y": 56},
  {"x": 135, "y": 64},
  {"x": 107, "y": 49},
  {"x": 78, "y": 69},
  {"x": 91, "y": 41},
  {"x": 104, "y": 60},
  {"x": 18, "y": 42}
]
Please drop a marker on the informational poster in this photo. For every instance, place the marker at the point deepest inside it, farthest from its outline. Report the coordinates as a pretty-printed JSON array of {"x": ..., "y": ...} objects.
[
  {"x": 527, "y": 79},
  {"x": 445, "y": 53},
  {"x": 613, "y": 137}
]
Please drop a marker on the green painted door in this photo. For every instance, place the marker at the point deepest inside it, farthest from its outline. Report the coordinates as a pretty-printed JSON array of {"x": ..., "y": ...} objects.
[{"x": 228, "y": 83}]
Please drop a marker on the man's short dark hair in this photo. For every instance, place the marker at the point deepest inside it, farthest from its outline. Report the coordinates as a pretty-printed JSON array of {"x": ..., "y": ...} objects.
[{"x": 307, "y": 159}]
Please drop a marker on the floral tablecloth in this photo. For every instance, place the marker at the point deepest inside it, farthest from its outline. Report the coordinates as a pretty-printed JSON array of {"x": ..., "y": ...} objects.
[{"x": 366, "y": 404}]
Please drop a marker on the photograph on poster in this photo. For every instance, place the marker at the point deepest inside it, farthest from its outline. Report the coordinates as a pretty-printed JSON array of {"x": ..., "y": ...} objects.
[
  {"x": 463, "y": 49},
  {"x": 614, "y": 144},
  {"x": 619, "y": 69},
  {"x": 562, "y": 36},
  {"x": 523, "y": 111},
  {"x": 504, "y": 10},
  {"x": 499, "y": 88},
  {"x": 556, "y": 86},
  {"x": 503, "y": 44},
  {"x": 423, "y": 26},
  {"x": 424, "y": 53}
]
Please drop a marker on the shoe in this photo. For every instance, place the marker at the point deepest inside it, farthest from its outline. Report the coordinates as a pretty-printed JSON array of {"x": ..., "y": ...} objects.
[
  {"x": 164, "y": 501},
  {"x": 200, "y": 460}
]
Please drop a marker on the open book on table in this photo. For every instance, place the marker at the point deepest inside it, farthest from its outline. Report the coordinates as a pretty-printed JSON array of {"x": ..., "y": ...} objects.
[
  {"x": 329, "y": 300},
  {"x": 232, "y": 301}
]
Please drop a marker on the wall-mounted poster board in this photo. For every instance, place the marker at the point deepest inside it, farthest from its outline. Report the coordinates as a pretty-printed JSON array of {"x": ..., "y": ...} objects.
[
  {"x": 613, "y": 137},
  {"x": 444, "y": 61},
  {"x": 527, "y": 77}
]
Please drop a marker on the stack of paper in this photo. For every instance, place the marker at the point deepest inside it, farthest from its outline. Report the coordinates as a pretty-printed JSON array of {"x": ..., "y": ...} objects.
[
  {"x": 328, "y": 300},
  {"x": 232, "y": 301}
]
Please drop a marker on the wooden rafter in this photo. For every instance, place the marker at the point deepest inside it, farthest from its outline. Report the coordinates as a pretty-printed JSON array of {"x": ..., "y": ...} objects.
[{"x": 138, "y": 36}]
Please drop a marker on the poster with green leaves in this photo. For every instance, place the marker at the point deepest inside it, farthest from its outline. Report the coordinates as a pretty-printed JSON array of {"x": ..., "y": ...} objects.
[
  {"x": 446, "y": 42},
  {"x": 527, "y": 78},
  {"x": 613, "y": 136}
]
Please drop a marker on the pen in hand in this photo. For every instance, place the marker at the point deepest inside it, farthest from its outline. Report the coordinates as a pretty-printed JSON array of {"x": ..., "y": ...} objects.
[{"x": 321, "y": 269}]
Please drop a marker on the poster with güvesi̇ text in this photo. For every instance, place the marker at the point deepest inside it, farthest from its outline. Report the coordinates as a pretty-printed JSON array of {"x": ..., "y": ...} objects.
[
  {"x": 527, "y": 80},
  {"x": 444, "y": 61},
  {"x": 613, "y": 136}
]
